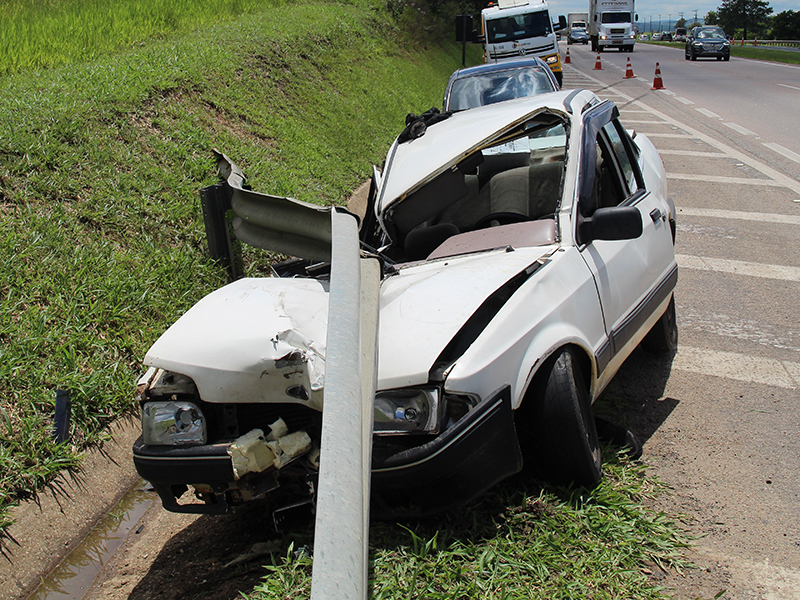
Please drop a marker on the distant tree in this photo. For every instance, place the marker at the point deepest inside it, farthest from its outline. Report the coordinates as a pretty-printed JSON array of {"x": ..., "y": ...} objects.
[
  {"x": 786, "y": 25},
  {"x": 680, "y": 22},
  {"x": 743, "y": 14},
  {"x": 711, "y": 18}
]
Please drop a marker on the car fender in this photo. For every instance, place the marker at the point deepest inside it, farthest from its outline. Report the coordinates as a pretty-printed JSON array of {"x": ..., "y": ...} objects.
[{"x": 558, "y": 305}]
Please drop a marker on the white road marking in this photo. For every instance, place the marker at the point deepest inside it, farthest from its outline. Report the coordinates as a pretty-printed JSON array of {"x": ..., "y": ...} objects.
[
  {"x": 667, "y": 92},
  {"x": 638, "y": 122},
  {"x": 738, "y": 267},
  {"x": 784, "y": 180},
  {"x": 739, "y": 129},
  {"x": 708, "y": 113},
  {"x": 791, "y": 87},
  {"x": 784, "y": 151},
  {"x": 749, "y": 369},
  {"x": 740, "y": 215},
  {"x": 684, "y": 100},
  {"x": 722, "y": 179},
  {"x": 665, "y": 135},
  {"x": 693, "y": 153}
]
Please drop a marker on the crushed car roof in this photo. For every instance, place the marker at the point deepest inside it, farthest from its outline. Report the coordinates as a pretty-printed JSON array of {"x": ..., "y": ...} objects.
[{"x": 445, "y": 143}]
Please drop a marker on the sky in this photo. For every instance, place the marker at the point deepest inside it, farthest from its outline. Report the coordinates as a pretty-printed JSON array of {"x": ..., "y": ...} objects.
[{"x": 652, "y": 8}]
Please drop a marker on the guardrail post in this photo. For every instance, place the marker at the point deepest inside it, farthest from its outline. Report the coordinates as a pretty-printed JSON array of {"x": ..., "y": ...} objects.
[{"x": 341, "y": 535}]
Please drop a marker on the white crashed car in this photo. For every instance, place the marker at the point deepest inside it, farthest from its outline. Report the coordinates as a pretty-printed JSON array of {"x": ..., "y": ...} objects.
[{"x": 527, "y": 249}]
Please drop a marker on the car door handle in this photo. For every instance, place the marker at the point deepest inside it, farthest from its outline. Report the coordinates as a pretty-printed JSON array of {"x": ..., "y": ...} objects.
[{"x": 655, "y": 214}]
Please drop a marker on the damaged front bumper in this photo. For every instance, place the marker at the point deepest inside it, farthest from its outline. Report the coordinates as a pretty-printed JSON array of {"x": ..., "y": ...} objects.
[{"x": 448, "y": 470}]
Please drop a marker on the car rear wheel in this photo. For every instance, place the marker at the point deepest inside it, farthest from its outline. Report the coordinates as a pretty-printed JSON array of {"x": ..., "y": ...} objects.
[
  {"x": 663, "y": 337},
  {"x": 562, "y": 440}
]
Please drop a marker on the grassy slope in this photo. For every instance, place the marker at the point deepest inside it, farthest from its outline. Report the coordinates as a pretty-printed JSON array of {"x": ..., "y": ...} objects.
[{"x": 102, "y": 247}]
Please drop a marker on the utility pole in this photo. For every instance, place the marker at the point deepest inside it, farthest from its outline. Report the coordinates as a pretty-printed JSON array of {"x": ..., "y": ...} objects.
[
  {"x": 669, "y": 23},
  {"x": 695, "y": 15}
]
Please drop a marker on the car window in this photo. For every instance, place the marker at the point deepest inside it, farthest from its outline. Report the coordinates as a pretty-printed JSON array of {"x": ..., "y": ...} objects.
[
  {"x": 623, "y": 159},
  {"x": 517, "y": 27},
  {"x": 710, "y": 33},
  {"x": 616, "y": 174},
  {"x": 489, "y": 88}
]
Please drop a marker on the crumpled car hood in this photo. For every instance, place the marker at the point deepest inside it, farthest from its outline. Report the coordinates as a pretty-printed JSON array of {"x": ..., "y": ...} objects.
[{"x": 263, "y": 339}]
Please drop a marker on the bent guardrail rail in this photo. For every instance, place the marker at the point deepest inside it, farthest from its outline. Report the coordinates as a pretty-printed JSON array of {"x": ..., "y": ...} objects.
[{"x": 288, "y": 226}]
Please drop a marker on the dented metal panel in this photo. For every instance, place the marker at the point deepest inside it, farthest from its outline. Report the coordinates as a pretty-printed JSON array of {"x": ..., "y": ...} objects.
[{"x": 342, "y": 522}]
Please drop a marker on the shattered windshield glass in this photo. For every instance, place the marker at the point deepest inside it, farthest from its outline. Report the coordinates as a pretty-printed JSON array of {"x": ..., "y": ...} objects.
[{"x": 489, "y": 88}]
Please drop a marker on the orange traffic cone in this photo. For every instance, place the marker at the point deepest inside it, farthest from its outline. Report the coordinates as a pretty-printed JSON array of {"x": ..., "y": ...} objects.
[
  {"x": 597, "y": 65},
  {"x": 657, "y": 83},
  {"x": 629, "y": 70},
  {"x": 566, "y": 58}
]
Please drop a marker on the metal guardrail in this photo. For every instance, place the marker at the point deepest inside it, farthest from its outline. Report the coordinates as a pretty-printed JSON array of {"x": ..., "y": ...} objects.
[
  {"x": 759, "y": 43},
  {"x": 341, "y": 534},
  {"x": 288, "y": 226}
]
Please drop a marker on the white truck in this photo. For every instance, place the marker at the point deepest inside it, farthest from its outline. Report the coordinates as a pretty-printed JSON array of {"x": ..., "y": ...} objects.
[
  {"x": 515, "y": 29},
  {"x": 577, "y": 21},
  {"x": 611, "y": 25}
]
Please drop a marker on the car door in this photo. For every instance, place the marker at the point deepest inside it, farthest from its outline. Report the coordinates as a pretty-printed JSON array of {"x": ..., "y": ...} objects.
[{"x": 634, "y": 276}]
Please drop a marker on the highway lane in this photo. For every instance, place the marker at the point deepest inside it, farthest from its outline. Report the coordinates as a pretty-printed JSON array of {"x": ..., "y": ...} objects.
[
  {"x": 721, "y": 418},
  {"x": 756, "y": 100}
]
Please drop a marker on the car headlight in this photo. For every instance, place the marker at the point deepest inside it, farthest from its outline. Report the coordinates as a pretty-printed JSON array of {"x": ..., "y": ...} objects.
[
  {"x": 172, "y": 423},
  {"x": 699, "y": 44},
  {"x": 406, "y": 411},
  {"x": 552, "y": 59}
]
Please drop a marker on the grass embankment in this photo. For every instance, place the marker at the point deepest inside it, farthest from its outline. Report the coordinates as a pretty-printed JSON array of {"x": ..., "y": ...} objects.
[
  {"x": 102, "y": 247},
  {"x": 46, "y": 33},
  {"x": 758, "y": 53}
]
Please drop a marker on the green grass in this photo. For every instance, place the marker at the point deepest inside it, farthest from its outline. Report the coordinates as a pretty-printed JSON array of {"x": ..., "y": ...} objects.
[
  {"x": 45, "y": 33},
  {"x": 102, "y": 244},
  {"x": 518, "y": 542},
  {"x": 758, "y": 53}
]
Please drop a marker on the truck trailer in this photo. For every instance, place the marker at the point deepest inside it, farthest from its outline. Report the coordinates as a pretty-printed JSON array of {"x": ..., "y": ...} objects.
[
  {"x": 611, "y": 25},
  {"x": 577, "y": 21}
]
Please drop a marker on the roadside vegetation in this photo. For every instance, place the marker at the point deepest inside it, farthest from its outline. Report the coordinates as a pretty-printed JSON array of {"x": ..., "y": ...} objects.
[
  {"x": 102, "y": 247},
  {"x": 517, "y": 542}
]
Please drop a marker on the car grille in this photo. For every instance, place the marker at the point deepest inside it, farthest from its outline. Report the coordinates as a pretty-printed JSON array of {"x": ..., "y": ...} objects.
[{"x": 617, "y": 31}]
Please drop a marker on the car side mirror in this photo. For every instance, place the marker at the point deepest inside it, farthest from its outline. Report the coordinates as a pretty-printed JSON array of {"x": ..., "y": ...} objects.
[
  {"x": 614, "y": 223},
  {"x": 562, "y": 22}
]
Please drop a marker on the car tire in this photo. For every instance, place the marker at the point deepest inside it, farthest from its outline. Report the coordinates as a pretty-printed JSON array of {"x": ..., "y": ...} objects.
[
  {"x": 719, "y": 58},
  {"x": 686, "y": 55},
  {"x": 663, "y": 337},
  {"x": 563, "y": 442},
  {"x": 728, "y": 57},
  {"x": 692, "y": 55},
  {"x": 559, "y": 78}
]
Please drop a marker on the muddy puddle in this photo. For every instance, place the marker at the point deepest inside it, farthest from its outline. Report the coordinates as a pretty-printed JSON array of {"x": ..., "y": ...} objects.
[{"x": 75, "y": 575}]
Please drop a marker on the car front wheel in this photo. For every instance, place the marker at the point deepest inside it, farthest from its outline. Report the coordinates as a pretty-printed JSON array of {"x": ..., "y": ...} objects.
[
  {"x": 562, "y": 441},
  {"x": 663, "y": 337}
]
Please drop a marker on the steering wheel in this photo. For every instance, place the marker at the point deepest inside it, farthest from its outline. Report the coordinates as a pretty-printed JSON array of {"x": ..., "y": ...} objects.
[{"x": 503, "y": 218}]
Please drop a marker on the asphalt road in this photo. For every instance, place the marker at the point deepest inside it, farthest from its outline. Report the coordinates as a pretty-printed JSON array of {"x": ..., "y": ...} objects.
[{"x": 721, "y": 420}]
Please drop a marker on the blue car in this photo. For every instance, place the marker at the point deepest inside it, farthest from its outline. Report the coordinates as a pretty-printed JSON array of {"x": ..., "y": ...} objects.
[{"x": 577, "y": 36}]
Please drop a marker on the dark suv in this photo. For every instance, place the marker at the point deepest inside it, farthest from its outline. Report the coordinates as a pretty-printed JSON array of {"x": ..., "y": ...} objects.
[{"x": 707, "y": 41}]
